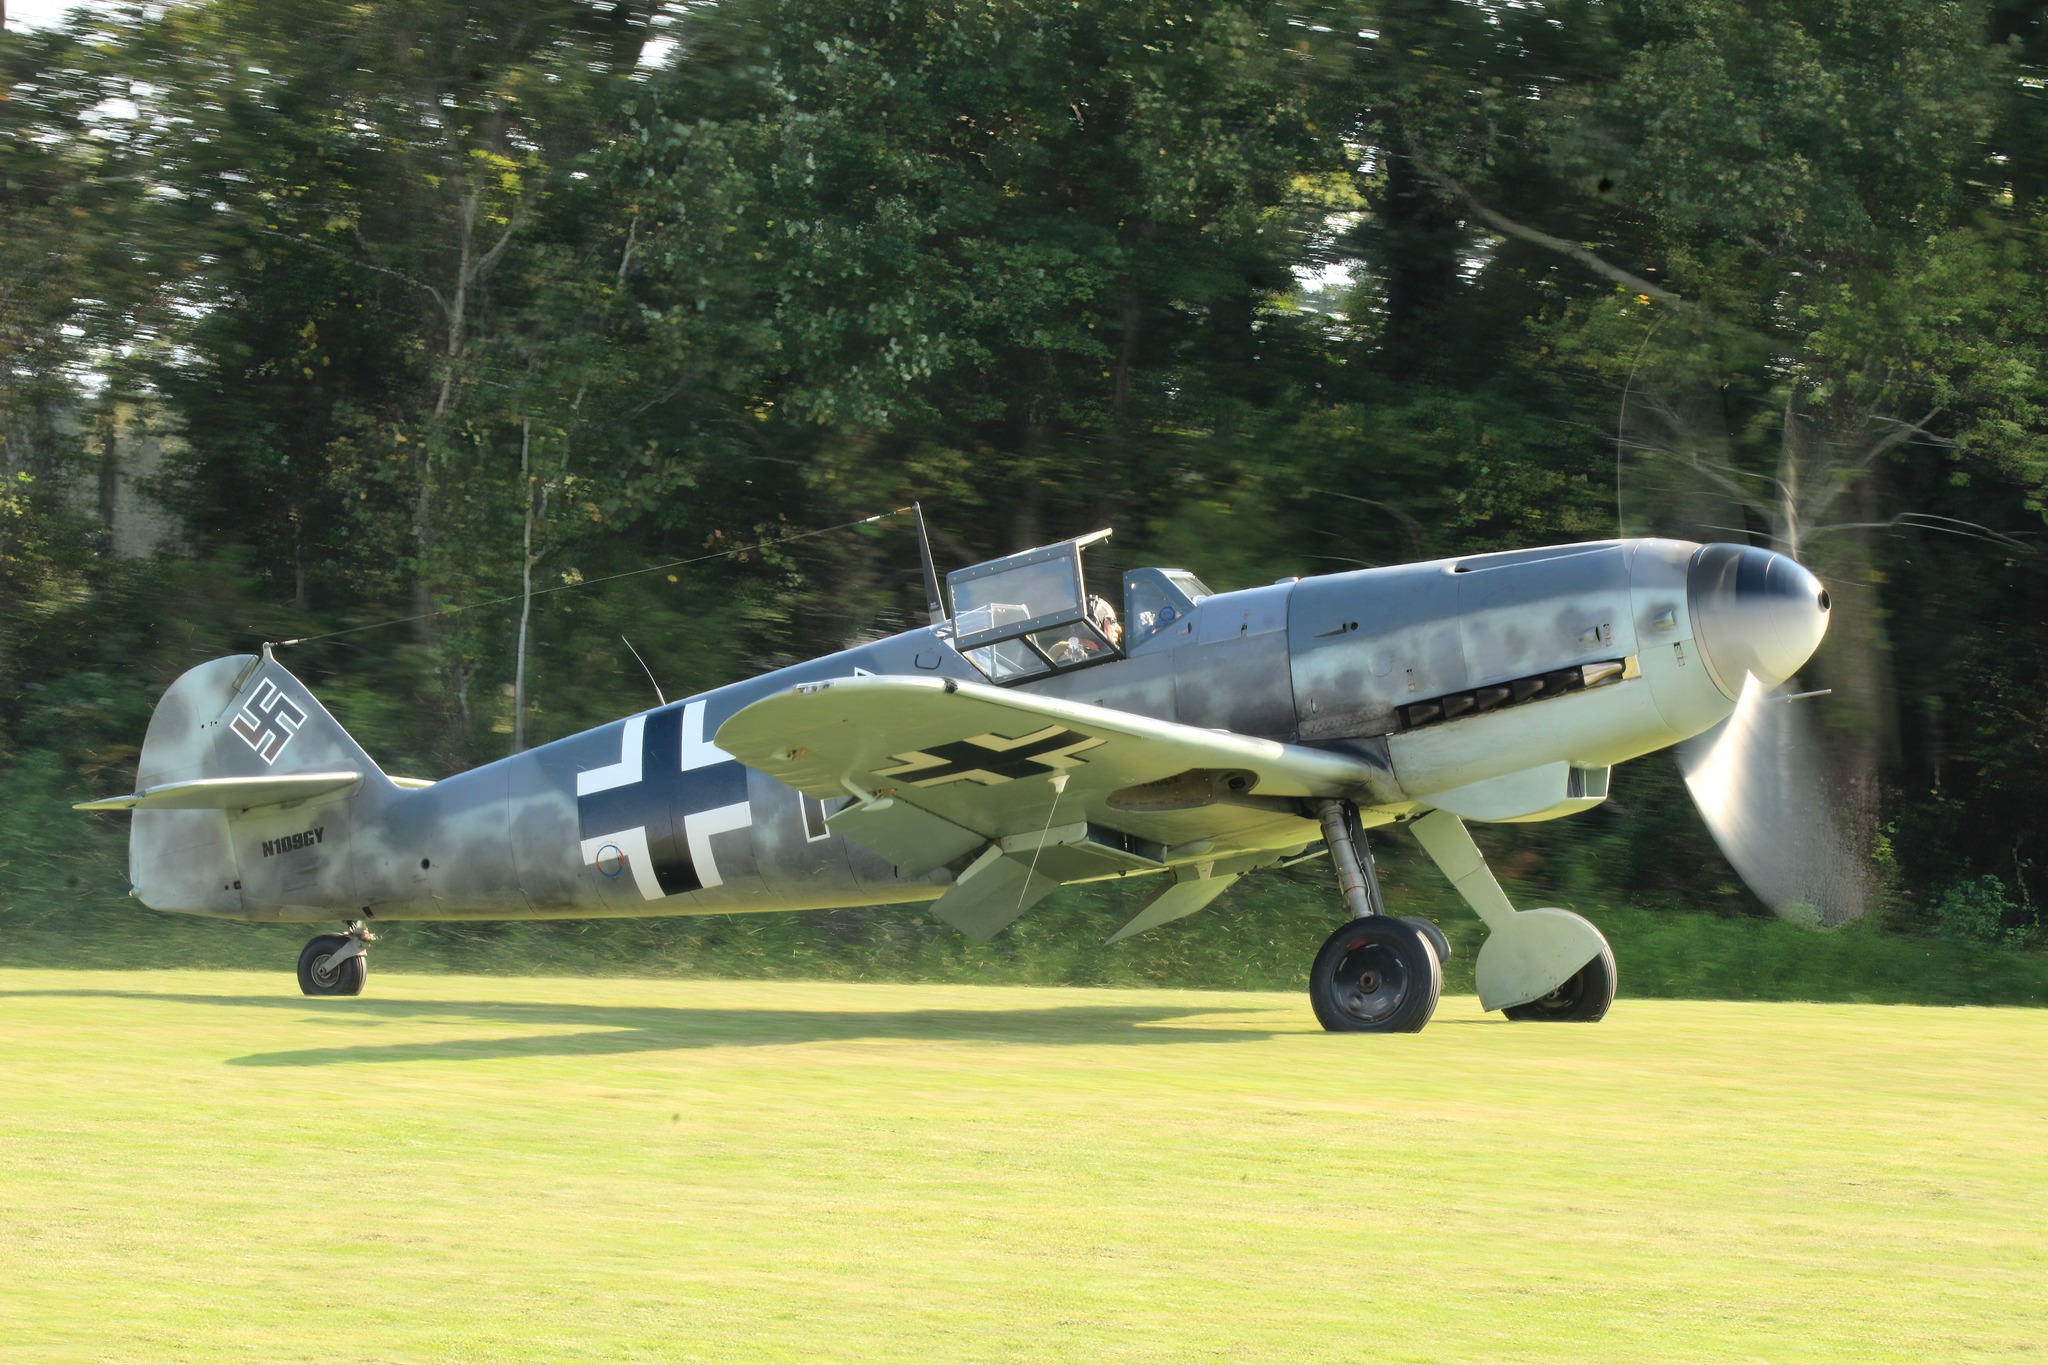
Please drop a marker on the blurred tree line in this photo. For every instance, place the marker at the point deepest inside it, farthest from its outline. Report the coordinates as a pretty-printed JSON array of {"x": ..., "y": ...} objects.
[{"x": 443, "y": 303}]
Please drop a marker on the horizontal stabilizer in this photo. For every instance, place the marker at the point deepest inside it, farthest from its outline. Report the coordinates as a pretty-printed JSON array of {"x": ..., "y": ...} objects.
[{"x": 229, "y": 793}]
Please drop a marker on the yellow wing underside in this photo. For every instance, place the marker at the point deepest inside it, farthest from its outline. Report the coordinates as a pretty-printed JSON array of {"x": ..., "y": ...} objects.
[{"x": 961, "y": 765}]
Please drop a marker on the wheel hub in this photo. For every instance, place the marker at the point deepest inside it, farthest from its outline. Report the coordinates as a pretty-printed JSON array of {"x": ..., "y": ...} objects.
[{"x": 1378, "y": 983}]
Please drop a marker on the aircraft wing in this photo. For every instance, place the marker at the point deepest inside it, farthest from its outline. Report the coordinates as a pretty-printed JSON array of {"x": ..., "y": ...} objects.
[{"x": 935, "y": 769}]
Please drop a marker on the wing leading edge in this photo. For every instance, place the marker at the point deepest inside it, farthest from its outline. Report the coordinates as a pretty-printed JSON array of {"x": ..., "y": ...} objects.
[{"x": 1049, "y": 791}]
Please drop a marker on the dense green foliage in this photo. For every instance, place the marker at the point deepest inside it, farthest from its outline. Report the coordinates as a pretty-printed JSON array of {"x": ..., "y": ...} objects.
[{"x": 442, "y": 301}]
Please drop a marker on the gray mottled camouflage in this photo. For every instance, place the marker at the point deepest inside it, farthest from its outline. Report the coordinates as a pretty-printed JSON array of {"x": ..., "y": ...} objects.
[{"x": 1339, "y": 661}]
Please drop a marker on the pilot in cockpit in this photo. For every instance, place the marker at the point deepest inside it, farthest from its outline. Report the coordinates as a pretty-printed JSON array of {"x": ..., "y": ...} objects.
[
  {"x": 1083, "y": 645},
  {"x": 1104, "y": 617}
]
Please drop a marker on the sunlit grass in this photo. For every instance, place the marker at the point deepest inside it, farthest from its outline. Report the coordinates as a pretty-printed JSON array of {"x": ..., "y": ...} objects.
[{"x": 206, "y": 1166}]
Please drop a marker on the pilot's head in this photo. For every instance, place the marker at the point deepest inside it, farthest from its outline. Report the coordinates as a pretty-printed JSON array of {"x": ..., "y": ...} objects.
[{"x": 1103, "y": 617}]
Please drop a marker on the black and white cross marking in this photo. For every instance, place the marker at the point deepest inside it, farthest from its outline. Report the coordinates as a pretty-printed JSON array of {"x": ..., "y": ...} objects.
[
  {"x": 992, "y": 759},
  {"x": 268, "y": 721},
  {"x": 655, "y": 810}
]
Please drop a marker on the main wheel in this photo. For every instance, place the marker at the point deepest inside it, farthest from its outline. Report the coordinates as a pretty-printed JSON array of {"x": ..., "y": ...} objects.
[
  {"x": 1375, "y": 975},
  {"x": 1434, "y": 932},
  {"x": 1582, "y": 999},
  {"x": 318, "y": 977}
]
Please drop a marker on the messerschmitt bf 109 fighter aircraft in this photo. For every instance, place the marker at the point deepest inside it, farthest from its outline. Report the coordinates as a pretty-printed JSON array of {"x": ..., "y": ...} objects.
[{"x": 1031, "y": 737}]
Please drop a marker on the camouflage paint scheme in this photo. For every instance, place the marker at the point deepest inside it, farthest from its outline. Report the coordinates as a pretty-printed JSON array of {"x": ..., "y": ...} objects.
[{"x": 650, "y": 816}]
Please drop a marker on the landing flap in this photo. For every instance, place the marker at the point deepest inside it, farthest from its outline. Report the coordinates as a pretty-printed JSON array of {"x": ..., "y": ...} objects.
[
  {"x": 995, "y": 889},
  {"x": 915, "y": 841},
  {"x": 1175, "y": 901},
  {"x": 1192, "y": 888}
]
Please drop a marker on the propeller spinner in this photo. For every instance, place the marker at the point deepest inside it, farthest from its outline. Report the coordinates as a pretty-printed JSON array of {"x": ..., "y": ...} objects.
[{"x": 1757, "y": 777}]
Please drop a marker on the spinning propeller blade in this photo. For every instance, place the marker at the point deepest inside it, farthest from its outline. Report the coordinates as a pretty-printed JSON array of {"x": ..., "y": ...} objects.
[{"x": 1759, "y": 783}]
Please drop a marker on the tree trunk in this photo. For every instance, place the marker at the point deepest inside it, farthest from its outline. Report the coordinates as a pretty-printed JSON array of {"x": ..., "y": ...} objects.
[
  {"x": 525, "y": 587},
  {"x": 1027, "y": 511},
  {"x": 1419, "y": 238},
  {"x": 1126, "y": 346},
  {"x": 110, "y": 476},
  {"x": 300, "y": 599},
  {"x": 1854, "y": 660},
  {"x": 423, "y": 505}
]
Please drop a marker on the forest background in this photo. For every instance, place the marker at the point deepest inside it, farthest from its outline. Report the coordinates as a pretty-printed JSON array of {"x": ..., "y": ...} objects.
[{"x": 319, "y": 315}]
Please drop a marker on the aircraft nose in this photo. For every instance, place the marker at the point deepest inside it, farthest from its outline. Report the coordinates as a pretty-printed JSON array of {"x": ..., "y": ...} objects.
[{"x": 1754, "y": 611}]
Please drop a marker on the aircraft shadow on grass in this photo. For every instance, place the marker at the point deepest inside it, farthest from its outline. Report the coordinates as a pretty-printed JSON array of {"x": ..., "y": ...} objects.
[{"x": 611, "y": 1029}]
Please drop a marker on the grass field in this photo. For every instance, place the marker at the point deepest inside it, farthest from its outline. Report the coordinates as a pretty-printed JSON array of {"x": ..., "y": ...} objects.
[{"x": 205, "y": 1166}]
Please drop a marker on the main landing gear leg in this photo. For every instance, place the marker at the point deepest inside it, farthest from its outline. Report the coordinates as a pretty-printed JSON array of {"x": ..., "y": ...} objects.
[
  {"x": 1378, "y": 973},
  {"x": 1357, "y": 879},
  {"x": 336, "y": 964}
]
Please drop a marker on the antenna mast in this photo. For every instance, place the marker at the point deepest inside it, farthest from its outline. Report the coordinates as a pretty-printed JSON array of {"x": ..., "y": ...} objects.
[
  {"x": 650, "y": 672},
  {"x": 934, "y": 603}
]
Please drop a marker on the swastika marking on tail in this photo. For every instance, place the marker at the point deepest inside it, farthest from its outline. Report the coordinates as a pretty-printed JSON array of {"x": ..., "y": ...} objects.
[{"x": 268, "y": 721}]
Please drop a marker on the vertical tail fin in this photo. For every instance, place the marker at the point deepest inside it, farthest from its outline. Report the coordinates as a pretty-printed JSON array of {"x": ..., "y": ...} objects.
[{"x": 246, "y": 718}]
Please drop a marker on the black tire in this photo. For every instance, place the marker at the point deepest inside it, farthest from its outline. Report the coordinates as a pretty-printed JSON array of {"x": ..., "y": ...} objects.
[
  {"x": 1432, "y": 931},
  {"x": 1582, "y": 999},
  {"x": 1375, "y": 975},
  {"x": 347, "y": 979}
]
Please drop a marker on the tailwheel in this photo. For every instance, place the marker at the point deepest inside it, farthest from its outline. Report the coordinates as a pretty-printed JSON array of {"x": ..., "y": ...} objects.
[
  {"x": 1582, "y": 999},
  {"x": 334, "y": 964},
  {"x": 1375, "y": 975}
]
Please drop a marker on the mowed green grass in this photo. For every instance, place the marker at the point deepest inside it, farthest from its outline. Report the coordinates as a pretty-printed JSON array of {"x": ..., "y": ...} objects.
[{"x": 209, "y": 1167}]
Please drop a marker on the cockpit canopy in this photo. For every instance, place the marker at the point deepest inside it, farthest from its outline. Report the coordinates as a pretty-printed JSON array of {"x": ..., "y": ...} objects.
[{"x": 1031, "y": 615}]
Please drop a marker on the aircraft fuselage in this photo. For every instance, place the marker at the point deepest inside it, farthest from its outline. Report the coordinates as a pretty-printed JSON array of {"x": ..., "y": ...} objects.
[{"x": 1432, "y": 673}]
